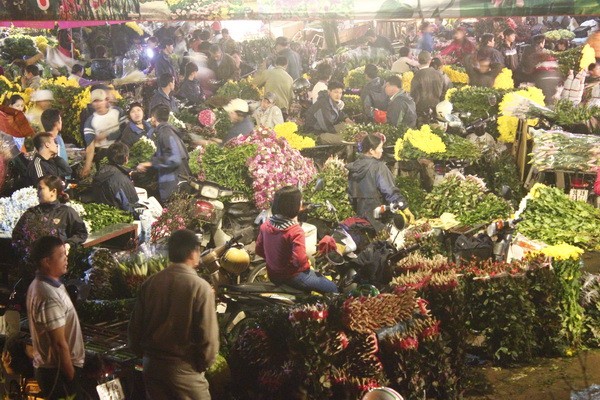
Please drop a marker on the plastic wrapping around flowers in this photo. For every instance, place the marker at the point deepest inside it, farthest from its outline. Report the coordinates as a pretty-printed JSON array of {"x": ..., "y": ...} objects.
[
  {"x": 275, "y": 165},
  {"x": 207, "y": 118}
]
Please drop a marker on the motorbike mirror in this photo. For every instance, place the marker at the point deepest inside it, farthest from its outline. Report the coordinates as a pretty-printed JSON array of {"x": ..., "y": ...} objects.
[
  {"x": 506, "y": 192},
  {"x": 319, "y": 185}
]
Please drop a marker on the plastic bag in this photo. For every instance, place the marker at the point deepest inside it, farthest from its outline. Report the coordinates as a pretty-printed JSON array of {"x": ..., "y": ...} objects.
[{"x": 564, "y": 151}]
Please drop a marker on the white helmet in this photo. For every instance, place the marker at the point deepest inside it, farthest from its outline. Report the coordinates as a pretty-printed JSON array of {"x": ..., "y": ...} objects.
[
  {"x": 443, "y": 109},
  {"x": 382, "y": 393}
]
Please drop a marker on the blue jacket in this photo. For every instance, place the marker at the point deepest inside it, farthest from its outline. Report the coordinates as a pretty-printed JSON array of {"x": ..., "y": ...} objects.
[
  {"x": 170, "y": 160},
  {"x": 371, "y": 184}
]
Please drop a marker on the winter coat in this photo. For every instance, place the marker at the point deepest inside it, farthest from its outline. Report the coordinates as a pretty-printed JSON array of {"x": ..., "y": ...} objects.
[
  {"x": 112, "y": 186},
  {"x": 294, "y": 67},
  {"x": 225, "y": 70},
  {"x": 373, "y": 96},
  {"x": 426, "y": 89},
  {"x": 191, "y": 92},
  {"x": 132, "y": 133},
  {"x": 371, "y": 184},
  {"x": 68, "y": 224},
  {"x": 170, "y": 160},
  {"x": 40, "y": 167},
  {"x": 402, "y": 111},
  {"x": 323, "y": 116},
  {"x": 161, "y": 98},
  {"x": 281, "y": 242}
]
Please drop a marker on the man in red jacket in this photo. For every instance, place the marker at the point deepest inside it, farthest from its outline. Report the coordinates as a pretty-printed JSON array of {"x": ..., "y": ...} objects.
[{"x": 282, "y": 244}]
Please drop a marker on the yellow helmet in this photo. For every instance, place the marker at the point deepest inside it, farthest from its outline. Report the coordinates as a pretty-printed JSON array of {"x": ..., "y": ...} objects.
[{"x": 235, "y": 261}]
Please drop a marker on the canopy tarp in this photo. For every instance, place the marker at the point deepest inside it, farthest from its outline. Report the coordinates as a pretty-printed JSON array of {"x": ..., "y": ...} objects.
[{"x": 98, "y": 10}]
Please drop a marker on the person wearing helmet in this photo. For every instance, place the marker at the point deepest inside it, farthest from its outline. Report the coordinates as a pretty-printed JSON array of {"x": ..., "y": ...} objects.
[
  {"x": 281, "y": 242},
  {"x": 371, "y": 184},
  {"x": 239, "y": 115}
]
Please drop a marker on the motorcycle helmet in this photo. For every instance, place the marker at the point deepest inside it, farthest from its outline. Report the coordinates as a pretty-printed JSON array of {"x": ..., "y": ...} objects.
[
  {"x": 301, "y": 84},
  {"x": 382, "y": 393},
  {"x": 235, "y": 261},
  {"x": 443, "y": 109}
]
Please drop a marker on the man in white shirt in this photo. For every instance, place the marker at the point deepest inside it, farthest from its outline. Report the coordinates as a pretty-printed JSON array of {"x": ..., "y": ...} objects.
[
  {"x": 101, "y": 129},
  {"x": 404, "y": 63}
]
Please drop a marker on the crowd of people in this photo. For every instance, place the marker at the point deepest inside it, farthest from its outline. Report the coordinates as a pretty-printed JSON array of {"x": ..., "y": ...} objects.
[{"x": 177, "y": 351}]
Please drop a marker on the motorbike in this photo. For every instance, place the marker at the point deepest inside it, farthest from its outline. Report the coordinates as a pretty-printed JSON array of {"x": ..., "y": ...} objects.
[
  {"x": 502, "y": 232},
  {"x": 222, "y": 220}
]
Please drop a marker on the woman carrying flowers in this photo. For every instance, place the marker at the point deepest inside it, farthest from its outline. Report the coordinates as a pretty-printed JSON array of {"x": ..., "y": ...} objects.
[
  {"x": 281, "y": 242},
  {"x": 371, "y": 184}
]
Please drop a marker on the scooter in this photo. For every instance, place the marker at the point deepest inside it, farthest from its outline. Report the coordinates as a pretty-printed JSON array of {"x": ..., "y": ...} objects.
[
  {"x": 502, "y": 232},
  {"x": 222, "y": 221}
]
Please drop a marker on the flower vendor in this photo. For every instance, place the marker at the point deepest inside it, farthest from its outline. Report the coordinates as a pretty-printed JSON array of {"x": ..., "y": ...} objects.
[
  {"x": 50, "y": 216},
  {"x": 190, "y": 91},
  {"x": 164, "y": 93},
  {"x": 46, "y": 160},
  {"x": 371, "y": 184},
  {"x": 460, "y": 47},
  {"x": 239, "y": 115},
  {"x": 282, "y": 244},
  {"x": 427, "y": 86},
  {"x": 278, "y": 81},
  {"x": 223, "y": 65},
  {"x": 137, "y": 127},
  {"x": 112, "y": 184},
  {"x": 171, "y": 158},
  {"x": 373, "y": 93},
  {"x": 268, "y": 114},
  {"x": 401, "y": 110},
  {"x": 101, "y": 129},
  {"x": 325, "y": 117}
]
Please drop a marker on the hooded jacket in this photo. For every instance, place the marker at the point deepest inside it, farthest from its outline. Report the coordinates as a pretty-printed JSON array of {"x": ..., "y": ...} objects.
[
  {"x": 68, "y": 224},
  {"x": 373, "y": 96},
  {"x": 170, "y": 160},
  {"x": 371, "y": 184},
  {"x": 281, "y": 242},
  {"x": 323, "y": 116},
  {"x": 112, "y": 186}
]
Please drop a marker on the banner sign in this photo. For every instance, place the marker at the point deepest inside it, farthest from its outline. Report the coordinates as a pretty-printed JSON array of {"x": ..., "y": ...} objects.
[{"x": 149, "y": 10}]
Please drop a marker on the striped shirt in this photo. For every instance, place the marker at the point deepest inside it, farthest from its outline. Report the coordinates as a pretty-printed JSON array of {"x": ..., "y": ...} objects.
[{"x": 49, "y": 307}]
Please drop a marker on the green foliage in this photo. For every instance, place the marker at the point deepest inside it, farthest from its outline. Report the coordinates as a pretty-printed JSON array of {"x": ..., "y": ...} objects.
[
  {"x": 356, "y": 78},
  {"x": 223, "y": 123},
  {"x": 458, "y": 148},
  {"x": 574, "y": 118},
  {"x": 475, "y": 100},
  {"x": 16, "y": 47},
  {"x": 141, "y": 151},
  {"x": 568, "y": 273},
  {"x": 254, "y": 52},
  {"x": 413, "y": 192},
  {"x": 465, "y": 198},
  {"x": 499, "y": 171},
  {"x": 227, "y": 166},
  {"x": 502, "y": 312},
  {"x": 553, "y": 218},
  {"x": 568, "y": 60},
  {"x": 355, "y": 133},
  {"x": 242, "y": 89},
  {"x": 97, "y": 311},
  {"x": 63, "y": 100},
  {"x": 102, "y": 215},
  {"x": 590, "y": 299},
  {"x": 335, "y": 190}
]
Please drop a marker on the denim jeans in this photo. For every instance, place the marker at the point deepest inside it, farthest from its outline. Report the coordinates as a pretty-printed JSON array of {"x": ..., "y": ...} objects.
[{"x": 314, "y": 281}]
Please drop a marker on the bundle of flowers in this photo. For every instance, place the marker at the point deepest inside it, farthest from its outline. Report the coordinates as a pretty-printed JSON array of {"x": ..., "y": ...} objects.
[
  {"x": 166, "y": 224},
  {"x": 335, "y": 178},
  {"x": 456, "y": 74},
  {"x": 407, "y": 78},
  {"x": 242, "y": 89},
  {"x": 418, "y": 143},
  {"x": 11, "y": 208},
  {"x": 558, "y": 34},
  {"x": 467, "y": 198},
  {"x": 353, "y": 106},
  {"x": 98, "y": 216},
  {"x": 356, "y": 78},
  {"x": 357, "y": 132},
  {"x": 576, "y": 59},
  {"x": 227, "y": 166},
  {"x": 288, "y": 131},
  {"x": 507, "y": 125},
  {"x": 17, "y": 47},
  {"x": 504, "y": 80},
  {"x": 8, "y": 89},
  {"x": 141, "y": 151},
  {"x": 479, "y": 102},
  {"x": 551, "y": 216},
  {"x": 275, "y": 165}
]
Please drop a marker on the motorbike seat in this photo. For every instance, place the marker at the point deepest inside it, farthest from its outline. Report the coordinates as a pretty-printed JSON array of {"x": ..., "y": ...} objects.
[
  {"x": 239, "y": 210},
  {"x": 266, "y": 287}
]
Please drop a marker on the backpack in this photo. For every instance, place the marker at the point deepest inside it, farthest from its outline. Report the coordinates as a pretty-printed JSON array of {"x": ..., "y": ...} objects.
[{"x": 372, "y": 264}]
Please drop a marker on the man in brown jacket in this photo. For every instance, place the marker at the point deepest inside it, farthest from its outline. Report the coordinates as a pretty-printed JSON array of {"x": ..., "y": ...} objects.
[
  {"x": 174, "y": 325},
  {"x": 223, "y": 65}
]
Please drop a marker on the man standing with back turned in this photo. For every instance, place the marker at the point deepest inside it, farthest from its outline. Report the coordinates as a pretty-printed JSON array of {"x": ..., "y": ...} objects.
[{"x": 174, "y": 325}]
